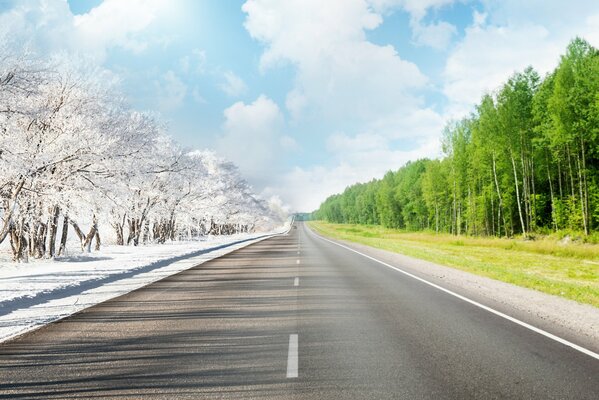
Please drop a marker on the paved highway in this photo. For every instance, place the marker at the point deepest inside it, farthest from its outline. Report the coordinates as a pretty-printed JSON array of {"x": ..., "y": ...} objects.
[{"x": 292, "y": 317}]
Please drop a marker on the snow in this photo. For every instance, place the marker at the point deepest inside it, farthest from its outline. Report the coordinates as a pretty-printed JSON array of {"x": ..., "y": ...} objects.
[
  {"x": 40, "y": 292},
  {"x": 76, "y": 157}
]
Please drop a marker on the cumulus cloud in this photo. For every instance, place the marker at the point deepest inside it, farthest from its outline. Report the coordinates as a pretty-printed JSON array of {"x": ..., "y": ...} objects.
[
  {"x": 49, "y": 26},
  {"x": 417, "y": 8},
  {"x": 436, "y": 34},
  {"x": 339, "y": 72},
  {"x": 507, "y": 38},
  {"x": 305, "y": 188},
  {"x": 114, "y": 22},
  {"x": 344, "y": 79},
  {"x": 253, "y": 138},
  {"x": 288, "y": 143}
]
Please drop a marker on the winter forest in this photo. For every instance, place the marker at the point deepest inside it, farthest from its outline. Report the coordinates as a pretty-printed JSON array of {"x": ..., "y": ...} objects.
[
  {"x": 526, "y": 161},
  {"x": 78, "y": 163}
]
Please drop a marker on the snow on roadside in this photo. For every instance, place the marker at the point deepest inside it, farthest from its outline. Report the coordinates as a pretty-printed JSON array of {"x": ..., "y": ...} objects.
[{"x": 32, "y": 295}]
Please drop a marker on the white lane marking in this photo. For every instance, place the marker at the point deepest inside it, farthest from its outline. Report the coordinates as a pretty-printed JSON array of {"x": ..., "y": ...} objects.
[
  {"x": 475, "y": 303},
  {"x": 292, "y": 357},
  {"x": 297, "y": 261},
  {"x": 298, "y": 252},
  {"x": 296, "y": 281}
]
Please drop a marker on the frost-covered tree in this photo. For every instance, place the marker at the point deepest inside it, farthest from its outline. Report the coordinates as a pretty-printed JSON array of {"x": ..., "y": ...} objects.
[{"x": 75, "y": 157}]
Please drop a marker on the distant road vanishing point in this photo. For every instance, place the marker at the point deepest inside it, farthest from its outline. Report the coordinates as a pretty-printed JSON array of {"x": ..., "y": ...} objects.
[{"x": 293, "y": 317}]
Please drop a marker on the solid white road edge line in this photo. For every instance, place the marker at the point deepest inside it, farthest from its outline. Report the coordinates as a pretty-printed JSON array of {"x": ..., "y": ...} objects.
[
  {"x": 292, "y": 357},
  {"x": 296, "y": 281},
  {"x": 466, "y": 299}
]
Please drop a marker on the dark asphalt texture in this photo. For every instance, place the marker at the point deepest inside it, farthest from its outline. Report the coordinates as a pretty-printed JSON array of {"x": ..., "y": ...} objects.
[{"x": 221, "y": 330}]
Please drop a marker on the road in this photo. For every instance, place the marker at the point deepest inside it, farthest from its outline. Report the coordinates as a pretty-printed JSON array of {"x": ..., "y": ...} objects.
[{"x": 292, "y": 317}]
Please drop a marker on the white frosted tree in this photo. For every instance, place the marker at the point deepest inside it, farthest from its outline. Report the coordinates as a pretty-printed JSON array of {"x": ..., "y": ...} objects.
[{"x": 71, "y": 148}]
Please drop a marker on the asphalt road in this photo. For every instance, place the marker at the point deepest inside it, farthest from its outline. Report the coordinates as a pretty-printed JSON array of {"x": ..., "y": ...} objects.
[{"x": 292, "y": 317}]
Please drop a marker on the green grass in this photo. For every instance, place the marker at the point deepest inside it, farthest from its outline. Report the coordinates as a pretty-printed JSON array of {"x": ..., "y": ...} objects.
[{"x": 569, "y": 270}]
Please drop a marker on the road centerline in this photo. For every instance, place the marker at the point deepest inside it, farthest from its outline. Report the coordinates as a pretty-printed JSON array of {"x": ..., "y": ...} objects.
[{"x": 292, "y": 357}]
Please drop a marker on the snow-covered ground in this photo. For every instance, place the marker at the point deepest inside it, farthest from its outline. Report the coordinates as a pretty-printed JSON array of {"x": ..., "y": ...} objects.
[{"x": 39, "y": 292}]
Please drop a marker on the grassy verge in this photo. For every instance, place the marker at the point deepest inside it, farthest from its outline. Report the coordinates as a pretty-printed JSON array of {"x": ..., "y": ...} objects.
[{"x": 569, "y": 270}]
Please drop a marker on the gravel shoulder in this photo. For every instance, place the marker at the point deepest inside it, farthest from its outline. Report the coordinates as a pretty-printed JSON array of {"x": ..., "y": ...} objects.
[{"x": 578, "y": 323}]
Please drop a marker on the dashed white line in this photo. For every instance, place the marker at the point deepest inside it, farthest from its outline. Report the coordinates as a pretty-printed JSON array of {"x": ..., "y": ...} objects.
[
  {"x": 296, "y": 281},
  {"x": 292, "y": 357},
  {"x": 475, "y": 303},
  {"x": 297, "y": 261}
]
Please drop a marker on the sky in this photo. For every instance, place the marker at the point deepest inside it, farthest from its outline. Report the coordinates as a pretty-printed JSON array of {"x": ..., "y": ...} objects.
[{"x": 306, "y": 96}]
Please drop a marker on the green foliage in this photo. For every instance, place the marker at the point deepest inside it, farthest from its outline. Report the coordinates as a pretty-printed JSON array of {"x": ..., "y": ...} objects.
[{"x": 525, "y": 162}]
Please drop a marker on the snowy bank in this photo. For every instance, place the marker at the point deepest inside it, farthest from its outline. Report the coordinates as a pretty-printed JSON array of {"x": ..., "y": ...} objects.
[{"x": 32, "y": 295}]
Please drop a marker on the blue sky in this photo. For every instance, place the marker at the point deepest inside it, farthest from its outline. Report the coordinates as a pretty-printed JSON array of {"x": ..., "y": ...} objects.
[{"x": 306, "y": 96}]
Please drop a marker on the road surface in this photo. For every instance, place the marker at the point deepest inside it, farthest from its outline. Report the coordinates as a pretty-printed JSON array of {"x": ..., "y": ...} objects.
[{"x": 292, "y": 317}]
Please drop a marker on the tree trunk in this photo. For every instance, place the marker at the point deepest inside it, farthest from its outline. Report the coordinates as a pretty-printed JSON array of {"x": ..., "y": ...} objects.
[
  {"x": 40, "y": 243},
  {"x": 572, "y": 192},
  {"x": 534, "y": 195},
  {"x": 79, "y": 233},
  {"x": 584, "y": 187},
  {"x": 500, "y": 202},
  {"x": 559, "y": 180},
  {"x": 63, "y": 236},
  {"x": 131, "y": 233},
  {"x": 53, "y": 231},
  {"x": 9, "y": 210},
  {"x": 582, "y": 200},
  {"x": 518, "y": 196},
  {"x": 87, "y": 243},
  {"x": 98, "y": 241},
  {"x": 146, "y": 230},
  {"x": 553, "y": 221},
  {"x": 118, "y": 229},
  {"x": 19, "y": 242}
]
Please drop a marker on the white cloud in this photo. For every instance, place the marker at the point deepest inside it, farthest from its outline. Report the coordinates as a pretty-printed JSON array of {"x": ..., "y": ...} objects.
[
  {"x": 362, "y": 157},
  {"x": 296, "y": 102},
  {"x": 437, "y": 35},
  {"x": 171, "y": 91},
  {"x": 472, "y": 70},
  {"x": 561, "y": 16},
  {"x": 252, "y": 138},
  {"x": 507, "y": 38},
  {"x": 420, "y": 126},
  {"x": 343, "y": 79},
  {"x": 39, "y": 24},
  {"x": 417, "y": 8},
  {"x": 233, "y": 85},
  {"x": 288, "y": 143},
  {"x": 591, "y": 29},
  {"x": 49, "y": 26},
  {"x": 339, "y": 72},
  {"x": 305, "y": 188},
  {"x": 114, "y": 22}
]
